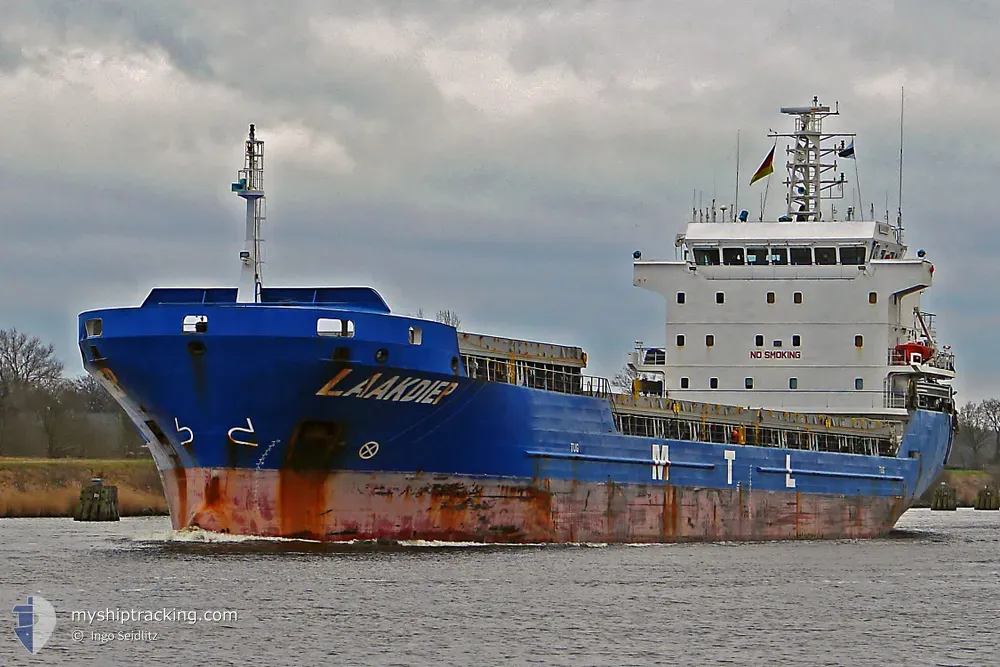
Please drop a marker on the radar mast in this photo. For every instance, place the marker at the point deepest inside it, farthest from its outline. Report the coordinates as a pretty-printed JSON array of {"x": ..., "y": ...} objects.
[
  {"x": 811, "y": 165},
  {"x": 250, "y": 186}
]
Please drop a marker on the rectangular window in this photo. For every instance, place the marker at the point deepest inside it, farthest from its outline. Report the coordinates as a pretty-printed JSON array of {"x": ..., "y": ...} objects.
[
  {"x": 416, "y": 335},
  {"x": 770, "y": 297},
  {"x": 873, "y": 297},
  {"x": 853, "y": 255},
  {"x": 732, "y": 256},
  {"x": 797, "y": 297},
  {"x": 685, "y": 382},
  {"x": 826, "y": 256},
  {"x": 680, "y": 297},
  {"x": 800, "y": 256},
  {"x": 859, "y": 383},
  {"x": 779, "y": 256},
  {"x": 713, "y": 383},
  {"x": 796, "y": 340},
  {"x": 94, "y": 328},
  {"x": 326, "y": 326},
  {"x": 793, "y": 383},
  {"x": 706, "y": 256},
  {"x": 748, "y": 383},
  {"x": 758, "y": 340},
  {"x": 680, "y": 340},
  {"x": 859, "y": 341},
  {"x": 709, "y": 340},
  {"x": 776, "y": 343},
  {"x": 757, "y": 256},
  {"x": 720, "y": 297}
]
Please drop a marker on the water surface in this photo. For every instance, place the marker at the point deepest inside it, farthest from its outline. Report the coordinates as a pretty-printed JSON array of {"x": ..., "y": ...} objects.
[{"x": 927, "y": 595}]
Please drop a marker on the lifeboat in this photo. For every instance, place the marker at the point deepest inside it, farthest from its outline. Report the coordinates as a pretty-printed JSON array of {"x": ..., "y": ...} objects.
[{"x": 912, "y": 352}]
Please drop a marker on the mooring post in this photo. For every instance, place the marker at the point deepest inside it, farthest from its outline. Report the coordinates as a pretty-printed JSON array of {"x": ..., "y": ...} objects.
[
  {"x": 97, "y": 502},
  {"x": 945, "y": 498},
  {"x": 987, "y": 499}
]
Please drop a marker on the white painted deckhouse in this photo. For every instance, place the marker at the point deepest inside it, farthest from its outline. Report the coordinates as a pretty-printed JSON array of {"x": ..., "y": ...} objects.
[{"x": 807, "y": 313}]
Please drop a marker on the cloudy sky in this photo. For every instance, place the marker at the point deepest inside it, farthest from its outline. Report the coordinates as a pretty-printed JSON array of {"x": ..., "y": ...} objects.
[{"x": 501, "y": 159}]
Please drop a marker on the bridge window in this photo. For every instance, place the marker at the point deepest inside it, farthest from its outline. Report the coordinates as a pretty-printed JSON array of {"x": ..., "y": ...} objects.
[
  {"x": 873, "y": 297},
  {"x": 326, "y": 326},
  {"x": 796, "y": 340},
  {"x": 685, "y": 382},
  {"x": 776, "y": 343},
  {"x": 713, "y": 383},
  {"x": 779, "y": 256},
  {"x": 757, "y": 256},
  {"x": 709, "y": 340},
  {"x": 758, "y": 340},
  {"x": 797, "y": 297},
  {"x": 859, "y": 383},
  {"x": 732, "y": 256},
  {"x": 853, "y": 255},
  {"x": 720, "y": 297},
  {"x": 770, "y": 297},
  {"x": 748, "y": 383},
  {"x": 680, "y": 340},
  {"x": 826, "y": 256},
  {"x": 706, "y": 256},
  {"x": 680, "y": 297},
  {"x": 859, "y": 341},
  {"x": 800, "y": 256},
  {"x": 416, "y": 335},
  {"x": 793, "y": 383}
]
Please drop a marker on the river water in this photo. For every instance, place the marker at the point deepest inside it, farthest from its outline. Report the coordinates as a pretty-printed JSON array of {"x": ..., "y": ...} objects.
[{"x": 927, "y": 595}]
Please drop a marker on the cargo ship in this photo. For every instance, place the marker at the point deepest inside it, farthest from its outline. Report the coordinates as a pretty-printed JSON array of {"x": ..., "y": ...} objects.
[{"x": 800, "y": 392}]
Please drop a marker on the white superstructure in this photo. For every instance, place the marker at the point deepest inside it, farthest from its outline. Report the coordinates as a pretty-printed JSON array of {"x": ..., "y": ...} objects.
[{"x": 800, "y": 314}]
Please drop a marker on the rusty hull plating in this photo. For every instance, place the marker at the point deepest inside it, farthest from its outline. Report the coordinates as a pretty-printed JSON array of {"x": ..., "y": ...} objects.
[{"x": 343, "y": 506}]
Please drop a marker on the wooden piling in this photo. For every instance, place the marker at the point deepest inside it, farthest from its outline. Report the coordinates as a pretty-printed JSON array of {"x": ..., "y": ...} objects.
[
  {"x": 97, "y": 502},
  {"x": 945, "y": 498},
  {"x": 987, "y": 499}
]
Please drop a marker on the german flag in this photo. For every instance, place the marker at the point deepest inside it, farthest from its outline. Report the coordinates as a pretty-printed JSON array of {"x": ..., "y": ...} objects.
[{"x": 766, "y": 167}]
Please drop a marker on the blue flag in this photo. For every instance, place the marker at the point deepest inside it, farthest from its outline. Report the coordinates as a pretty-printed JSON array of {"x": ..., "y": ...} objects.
[{"x": 847, "y": 152}]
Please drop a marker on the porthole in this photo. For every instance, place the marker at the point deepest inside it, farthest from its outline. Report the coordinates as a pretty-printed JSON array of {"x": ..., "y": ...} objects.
[{"x": 382, "y": 355}]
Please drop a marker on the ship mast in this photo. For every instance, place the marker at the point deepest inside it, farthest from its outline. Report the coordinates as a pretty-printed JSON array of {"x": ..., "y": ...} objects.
[
  {"x": 250, "y": 186},
  {"x": 811, "y": 166}
]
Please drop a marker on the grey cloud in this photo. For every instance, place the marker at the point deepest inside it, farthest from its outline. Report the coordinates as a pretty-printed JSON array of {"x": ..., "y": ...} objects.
[{"x": 502, "y": 159}]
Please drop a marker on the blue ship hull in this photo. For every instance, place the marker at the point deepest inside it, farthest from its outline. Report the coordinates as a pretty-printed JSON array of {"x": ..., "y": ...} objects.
[{"x": 260, "y": 426}]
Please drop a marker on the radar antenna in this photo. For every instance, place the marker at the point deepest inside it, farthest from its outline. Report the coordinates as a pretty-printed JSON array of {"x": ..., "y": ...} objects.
[{"x": 250, "y": 186}]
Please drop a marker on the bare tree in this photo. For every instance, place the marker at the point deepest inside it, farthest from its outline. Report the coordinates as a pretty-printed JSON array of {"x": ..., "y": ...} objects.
[
  {"x": 26, "y": 365},
  {"x": 25, "y": 360},
  {"x": 975, "y": 429},
  {"x": 991, "y": 414},
  {"x": 448, "y": 317},
  {"x": 89, "y": 395},
  {"x": 624, "y": 378}
]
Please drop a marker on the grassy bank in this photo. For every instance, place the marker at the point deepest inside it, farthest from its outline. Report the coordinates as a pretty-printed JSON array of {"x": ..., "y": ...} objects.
[{"x": 51, "y": 487}]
